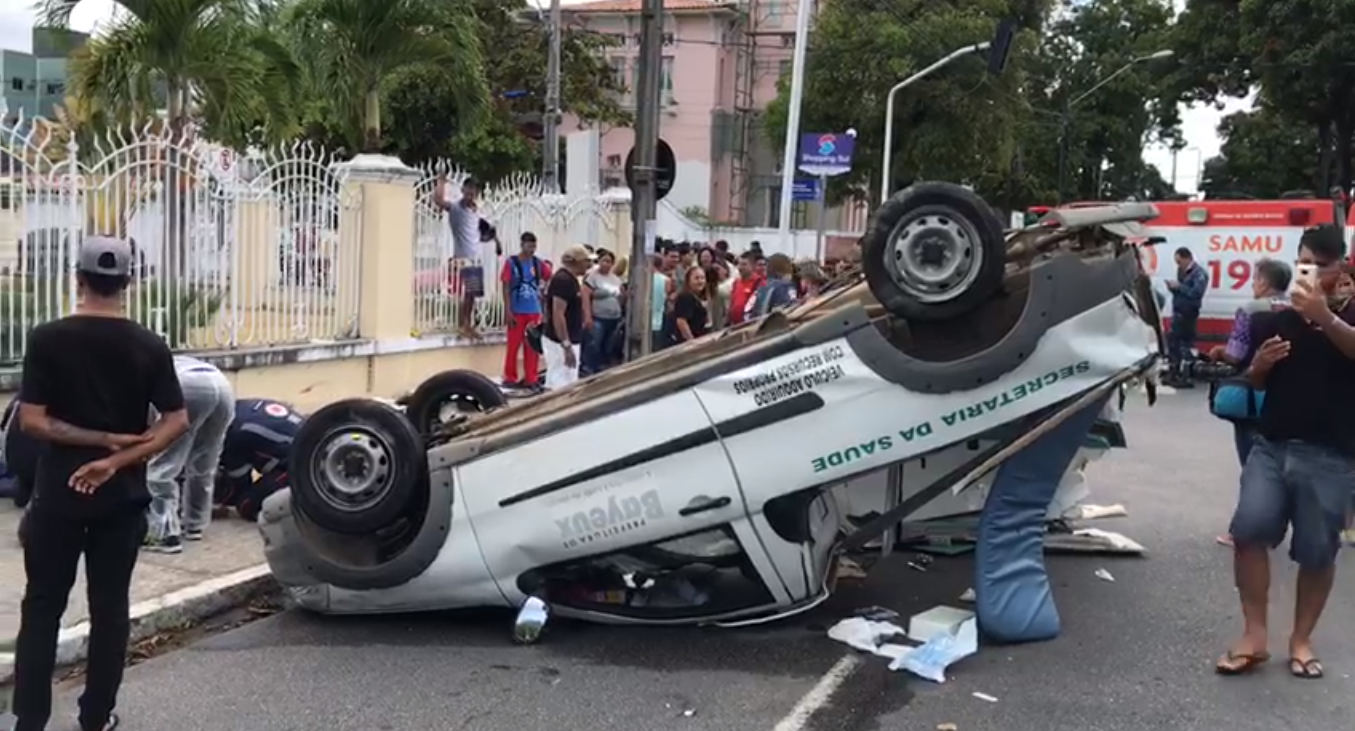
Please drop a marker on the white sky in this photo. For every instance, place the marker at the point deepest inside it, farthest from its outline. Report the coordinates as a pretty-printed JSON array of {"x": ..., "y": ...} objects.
[{"x": 1199, "y": 124}]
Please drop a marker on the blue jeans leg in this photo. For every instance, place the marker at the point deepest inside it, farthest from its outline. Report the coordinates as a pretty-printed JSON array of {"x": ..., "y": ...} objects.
[{"x": 1299, "y": 484}]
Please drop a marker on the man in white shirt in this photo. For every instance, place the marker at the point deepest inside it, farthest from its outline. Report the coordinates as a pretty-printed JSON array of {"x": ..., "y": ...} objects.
[{"x": 469, "y": 232}]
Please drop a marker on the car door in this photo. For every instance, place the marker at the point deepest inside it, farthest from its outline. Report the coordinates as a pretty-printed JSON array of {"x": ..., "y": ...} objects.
[{"x": 630, "y": 488}]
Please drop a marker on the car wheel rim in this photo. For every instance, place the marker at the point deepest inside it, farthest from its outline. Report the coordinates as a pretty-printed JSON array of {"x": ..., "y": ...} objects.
[
  {"x": 934, "y": 258},
  {"x": 355, "y": 470}
]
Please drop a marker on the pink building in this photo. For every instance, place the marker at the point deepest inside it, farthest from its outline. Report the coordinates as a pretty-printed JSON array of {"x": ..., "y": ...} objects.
[{"x": 721, "y": 64}]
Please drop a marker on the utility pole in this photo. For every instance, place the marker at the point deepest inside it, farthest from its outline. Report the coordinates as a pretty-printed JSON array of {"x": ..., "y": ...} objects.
[
  {"x": 550, "y": 149},
  {"x": 643, "y": 193}
]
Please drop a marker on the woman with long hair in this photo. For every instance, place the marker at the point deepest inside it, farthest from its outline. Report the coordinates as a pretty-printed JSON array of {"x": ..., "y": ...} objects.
[
  {"x": 691, "y": 315},
  {"x": 705, "y": 257}
]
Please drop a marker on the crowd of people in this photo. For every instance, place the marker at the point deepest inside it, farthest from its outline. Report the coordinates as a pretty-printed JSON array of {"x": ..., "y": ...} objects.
[{"x": 574, "y": 317}]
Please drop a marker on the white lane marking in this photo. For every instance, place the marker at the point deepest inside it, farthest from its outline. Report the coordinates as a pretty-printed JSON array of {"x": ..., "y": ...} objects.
[{"x": 820, "y": 695}]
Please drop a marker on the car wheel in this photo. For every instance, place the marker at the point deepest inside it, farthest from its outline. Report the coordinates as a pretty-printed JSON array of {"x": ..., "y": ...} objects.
[
  {"x": 356, "y": 466},
  {"x": 935, "y": 251},
  {"x": 441, "y": 397}
]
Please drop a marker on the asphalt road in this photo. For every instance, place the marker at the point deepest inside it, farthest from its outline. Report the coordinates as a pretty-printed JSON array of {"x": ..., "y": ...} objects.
[{"x": 1135, "y": 654}]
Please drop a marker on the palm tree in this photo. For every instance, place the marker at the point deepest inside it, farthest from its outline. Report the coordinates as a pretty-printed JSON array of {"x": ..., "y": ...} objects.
[
  {"x": 355, "y": 47},
  {"x": 205, "y": 59}
]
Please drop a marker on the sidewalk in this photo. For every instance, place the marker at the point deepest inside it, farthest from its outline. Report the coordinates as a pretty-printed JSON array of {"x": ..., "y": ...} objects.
[{"x": 196, "y": 582}]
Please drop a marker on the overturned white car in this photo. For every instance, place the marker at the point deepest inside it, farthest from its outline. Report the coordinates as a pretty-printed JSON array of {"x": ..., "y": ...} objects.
[{"x": 697, "y": 485}]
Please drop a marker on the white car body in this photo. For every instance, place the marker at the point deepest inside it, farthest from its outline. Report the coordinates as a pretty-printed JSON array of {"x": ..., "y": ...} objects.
[{"x": 695, "y": 466}]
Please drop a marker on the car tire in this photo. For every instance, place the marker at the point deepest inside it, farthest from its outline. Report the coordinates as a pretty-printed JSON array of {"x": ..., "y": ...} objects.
[
  {"x": 935, "y": 251},
  {"x": 473, "y": 392},
  {"x": 357, "y": 465}
]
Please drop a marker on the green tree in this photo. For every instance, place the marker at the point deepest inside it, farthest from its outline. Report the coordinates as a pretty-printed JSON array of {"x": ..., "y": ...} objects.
[
  {"x": 957, "y": 124},
  {"x": 1299, "y": 55},
  {"x": 518, "y": 43},
  {"x": 354, "y": 49},
  {"x": 207, "y": 60},
  {"x": 426, "y": 121},
  {"x": 1086, "y": 86},
  {"x": 1264, "y": 155}
]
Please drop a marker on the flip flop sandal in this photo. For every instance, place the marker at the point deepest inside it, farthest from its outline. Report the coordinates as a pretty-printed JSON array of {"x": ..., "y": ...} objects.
[
  {"x": 1237, "y": 663},
  {"x": 1310, "y": 669}
]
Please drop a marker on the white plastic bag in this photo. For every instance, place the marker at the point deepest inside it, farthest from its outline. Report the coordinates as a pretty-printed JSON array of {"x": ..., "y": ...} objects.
[{"x": 940, "y": 652}]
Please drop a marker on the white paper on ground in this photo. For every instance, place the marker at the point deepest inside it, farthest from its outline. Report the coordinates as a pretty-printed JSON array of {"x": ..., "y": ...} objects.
[
  {"x": 1117, "y": 541},
  {"x": 1097, "y": 512},
  {"x": 931, "y": 660},
  {"x": 866, "y": 635}
]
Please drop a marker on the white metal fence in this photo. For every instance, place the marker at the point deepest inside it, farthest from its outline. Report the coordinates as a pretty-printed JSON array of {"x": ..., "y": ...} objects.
[
  {"x": 516, "y": 206},
  {"x": 230, "y": 251}
]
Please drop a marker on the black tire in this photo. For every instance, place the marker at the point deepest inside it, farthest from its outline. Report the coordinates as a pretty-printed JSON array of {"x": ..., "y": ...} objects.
[
  {"x": 471, "y": 391},
  {"x": 951, "y": 222},
  {"x": 373, "y": 444}
]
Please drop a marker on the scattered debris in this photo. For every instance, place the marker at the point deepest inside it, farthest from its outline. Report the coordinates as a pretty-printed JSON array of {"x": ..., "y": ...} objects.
[
  {"x": 1093, "y": 540},
  {"x": 877, "y": 614},
  {"x": 920, "y": 562},
  {"x": 849, "y": 569},
  {"x": 1104, "y": 575},
  {"x": 940, "y": 652},
  {"x": 969, "y": 596},
  {"x": 947, "y": 727},
  {"x": 868, "y": 636},
  {"x": 689, "y": 712},
  {"x": 985, "y": 697},
  {"x": 1098, "y": 512},
  {"x": 938, "y": 620}
]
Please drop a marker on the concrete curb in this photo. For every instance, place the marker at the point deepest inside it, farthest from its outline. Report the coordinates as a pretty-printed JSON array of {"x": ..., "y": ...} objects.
[{"x": 175, "y": 610}]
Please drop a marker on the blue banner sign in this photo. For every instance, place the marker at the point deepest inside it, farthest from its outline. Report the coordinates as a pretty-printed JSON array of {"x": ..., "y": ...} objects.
[
  {"x": 805, "y": 189},
  {"x": 826, "y": 153}
]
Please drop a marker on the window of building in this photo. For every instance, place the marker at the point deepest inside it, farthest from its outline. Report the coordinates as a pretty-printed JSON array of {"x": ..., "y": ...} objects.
[
  {"x": 612, "y": 181},
  {"x": 613, "y": 161},
  {"x": 773, "y": 206},
  {"x": 785, "y": 68},
  {"x": 618, "y": 65},
  {"x": 666, "y": 79},
  {"x": 56, "y": 88},
  {"x": 16, "y": 83}
]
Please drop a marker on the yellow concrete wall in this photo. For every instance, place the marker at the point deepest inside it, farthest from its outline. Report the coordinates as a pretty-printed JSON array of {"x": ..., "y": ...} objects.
[
  {"x": 309, "y": 386},
  {"x": 380, "y": 244}
]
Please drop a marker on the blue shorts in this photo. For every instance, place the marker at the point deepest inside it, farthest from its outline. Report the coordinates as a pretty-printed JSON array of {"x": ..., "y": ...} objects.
[{"x": 1305, "y": 485}]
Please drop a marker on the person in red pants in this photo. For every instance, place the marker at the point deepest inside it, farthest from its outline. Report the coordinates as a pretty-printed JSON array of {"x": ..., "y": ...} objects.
[{"x": 523, "y": 277}]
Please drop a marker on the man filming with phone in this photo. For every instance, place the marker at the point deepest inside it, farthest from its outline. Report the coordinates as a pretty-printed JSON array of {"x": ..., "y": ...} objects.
[{"x": 1299, "y": 474}]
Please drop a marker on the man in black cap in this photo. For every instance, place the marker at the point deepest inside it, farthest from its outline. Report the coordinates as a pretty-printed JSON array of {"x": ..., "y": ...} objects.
[{"x": 90, "y": 381}]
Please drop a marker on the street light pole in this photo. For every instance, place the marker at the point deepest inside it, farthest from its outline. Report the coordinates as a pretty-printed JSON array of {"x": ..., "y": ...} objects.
[
  {"x": 644, "y": 195},
  {"x": 885, "y": 176},
  {"x": 550, "y": 149},
  {"x": 1068, "y": 111},
  {"x": 797, "y": 95}
]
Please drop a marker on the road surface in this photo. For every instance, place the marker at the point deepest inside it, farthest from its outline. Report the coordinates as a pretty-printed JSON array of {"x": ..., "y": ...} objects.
[{"x": 1135, "y": 654}]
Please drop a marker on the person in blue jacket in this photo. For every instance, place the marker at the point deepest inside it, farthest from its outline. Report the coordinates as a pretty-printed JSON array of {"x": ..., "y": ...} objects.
[
  {"x": 259, "y": 441},
  {"x": 1188, "y": 291}
]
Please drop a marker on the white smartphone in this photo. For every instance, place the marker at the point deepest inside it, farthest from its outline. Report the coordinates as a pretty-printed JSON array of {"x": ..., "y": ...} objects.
[{"x": 1306, "y": 273}]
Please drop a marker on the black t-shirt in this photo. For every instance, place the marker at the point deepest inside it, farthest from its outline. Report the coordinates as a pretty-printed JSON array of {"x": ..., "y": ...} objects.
[
  {"x": 1310, "y": 395},
  {"x": 564, "y": 285},
  {"x": 99, "y": 373},
  {"x": 689, "y": 307}
]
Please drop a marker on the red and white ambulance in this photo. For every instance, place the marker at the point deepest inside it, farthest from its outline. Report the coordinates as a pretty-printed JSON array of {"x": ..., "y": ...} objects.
[{"x": 1227, "y": 238}]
